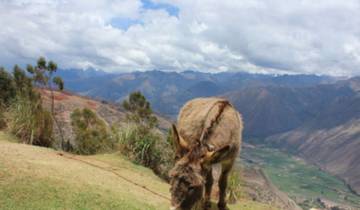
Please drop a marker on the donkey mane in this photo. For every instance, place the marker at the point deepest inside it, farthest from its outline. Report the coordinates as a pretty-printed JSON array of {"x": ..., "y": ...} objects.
[
  {"x": 207, "y": 131},
  {"x": 197, "y": 148}
]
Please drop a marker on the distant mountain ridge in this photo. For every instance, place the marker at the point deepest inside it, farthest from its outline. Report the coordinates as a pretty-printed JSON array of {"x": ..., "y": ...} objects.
[{"x": 168, "y": 91}]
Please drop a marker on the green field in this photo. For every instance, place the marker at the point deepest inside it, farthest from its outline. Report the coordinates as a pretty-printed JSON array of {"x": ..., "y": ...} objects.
[{"x": 300, "y": 180}]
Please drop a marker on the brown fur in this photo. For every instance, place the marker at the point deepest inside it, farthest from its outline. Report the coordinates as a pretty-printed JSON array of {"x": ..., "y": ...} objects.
[{"x": 209, "y": 131}]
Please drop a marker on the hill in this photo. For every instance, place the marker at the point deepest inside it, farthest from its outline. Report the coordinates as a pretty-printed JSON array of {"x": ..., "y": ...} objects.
[
  {"x": 67, "y": 102},
  {"x": 39, "y": 178}
]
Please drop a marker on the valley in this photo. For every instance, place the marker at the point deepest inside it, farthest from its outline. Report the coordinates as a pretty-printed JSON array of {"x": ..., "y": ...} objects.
[{"x": 304, "y": 183}]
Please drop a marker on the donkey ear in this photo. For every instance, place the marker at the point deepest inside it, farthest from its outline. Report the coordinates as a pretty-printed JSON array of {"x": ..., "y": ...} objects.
[
  {"x": 181, "y": 146},
  {"x": 216, "y": 156}
]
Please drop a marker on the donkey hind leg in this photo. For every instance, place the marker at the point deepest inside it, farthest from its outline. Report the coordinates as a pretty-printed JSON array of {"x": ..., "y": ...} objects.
[{"x": 226, "y": 168}]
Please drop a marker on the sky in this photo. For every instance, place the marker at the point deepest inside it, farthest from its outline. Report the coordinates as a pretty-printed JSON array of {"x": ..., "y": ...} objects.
[{"x": 262, "y": 36}]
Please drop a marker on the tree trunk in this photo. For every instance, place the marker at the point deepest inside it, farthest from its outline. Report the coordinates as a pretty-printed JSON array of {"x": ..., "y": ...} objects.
[{"x": 53, "y": 114}]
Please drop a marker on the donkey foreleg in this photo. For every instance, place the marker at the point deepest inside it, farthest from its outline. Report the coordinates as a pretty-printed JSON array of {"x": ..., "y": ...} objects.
[
  {"x": 226, "y": 168},
  {"x": 208, "y": 187}
]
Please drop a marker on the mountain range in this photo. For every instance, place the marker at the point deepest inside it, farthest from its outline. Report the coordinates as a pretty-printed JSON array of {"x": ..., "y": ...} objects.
[{"x": 311, "y": 116}]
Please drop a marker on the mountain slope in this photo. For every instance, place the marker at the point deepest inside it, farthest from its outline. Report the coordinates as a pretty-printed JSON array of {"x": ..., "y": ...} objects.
[
  {"x": 335, "y": 150},
  {"x": 319, "y": 123},
  {"x": 274, "y": 109},
  {"x": 331, "y": 140},
  {"x": 66, "y": 103},
  {"x": 168, "y": 91},
  {"x": 39, "y": 178}
]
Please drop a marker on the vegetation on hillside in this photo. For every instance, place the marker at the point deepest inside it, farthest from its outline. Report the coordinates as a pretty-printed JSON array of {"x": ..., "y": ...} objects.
[
  {"x": 138, "y": 139},
  {"x": 91, "y": 133},
  {"x": 21, "y": 107},
  {"x": 234, "y": 185},
  {"x": 42, "y": 76}
]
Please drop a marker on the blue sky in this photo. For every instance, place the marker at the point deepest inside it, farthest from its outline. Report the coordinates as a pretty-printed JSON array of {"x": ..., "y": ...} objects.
[
  {"x": 171, "y": 9},
  {"x": 262, "y": 36},
  {"x": 124, "y": 23}
]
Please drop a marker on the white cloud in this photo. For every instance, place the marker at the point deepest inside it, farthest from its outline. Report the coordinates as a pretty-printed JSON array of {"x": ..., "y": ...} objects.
[{"x": 255, "y": 35}]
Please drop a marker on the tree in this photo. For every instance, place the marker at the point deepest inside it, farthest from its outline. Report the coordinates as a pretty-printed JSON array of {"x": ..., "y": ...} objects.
[
  {"x": 22, "y": 83},
  {"x": 59, "y": 82},
  {"x": 7, "y": 87},
  {"x": 42, "y": 75},
  {"x": 140, "y": 110}
]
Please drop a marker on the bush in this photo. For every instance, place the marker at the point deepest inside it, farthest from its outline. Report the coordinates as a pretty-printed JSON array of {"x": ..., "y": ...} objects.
[
  {"x": 27, "y": 120},
  {"x": 145, "y": 147},
  {"x": 138, "y": 145},
  {"x": 91, "y": 133}
]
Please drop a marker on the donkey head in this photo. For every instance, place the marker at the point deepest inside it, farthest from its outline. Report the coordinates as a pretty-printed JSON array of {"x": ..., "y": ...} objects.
[{"x": 188, "y": 175}]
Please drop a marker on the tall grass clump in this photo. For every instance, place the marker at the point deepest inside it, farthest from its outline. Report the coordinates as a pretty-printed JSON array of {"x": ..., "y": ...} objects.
[
  {"x": 234, "y": 185},
  {"x": 147, "y": 148},
  {"x": 28, "y": 121},
  {"x": 139, "y": 145}
]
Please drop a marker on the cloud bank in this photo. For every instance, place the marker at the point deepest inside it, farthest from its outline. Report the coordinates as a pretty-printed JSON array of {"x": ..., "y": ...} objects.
[{"x": 269, "y": 36}]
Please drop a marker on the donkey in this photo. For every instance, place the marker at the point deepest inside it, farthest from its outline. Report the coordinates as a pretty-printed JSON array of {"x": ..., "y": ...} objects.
[{"x": 208, "y": 132}]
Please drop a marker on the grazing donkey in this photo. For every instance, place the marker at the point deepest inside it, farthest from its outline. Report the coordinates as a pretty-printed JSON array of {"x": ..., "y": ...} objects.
[{"x": 208, "y": 132}]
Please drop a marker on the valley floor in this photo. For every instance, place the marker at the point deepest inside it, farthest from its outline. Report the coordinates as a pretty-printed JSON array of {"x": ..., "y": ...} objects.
[
  {"x": 302, "y": 182},
  {"x": 40, "y": 178}
]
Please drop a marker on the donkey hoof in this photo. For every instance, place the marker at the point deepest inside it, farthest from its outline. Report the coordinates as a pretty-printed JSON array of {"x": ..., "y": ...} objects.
[
  {"x": 207, "y": 205},
  {"x": 222, "y": 206}
]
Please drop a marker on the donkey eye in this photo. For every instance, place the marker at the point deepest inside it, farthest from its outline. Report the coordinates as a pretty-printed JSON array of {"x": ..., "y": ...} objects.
[{"x": 191, "y": 188}]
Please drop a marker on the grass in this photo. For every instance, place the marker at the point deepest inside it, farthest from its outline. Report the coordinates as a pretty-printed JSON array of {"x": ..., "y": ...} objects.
[
  {"x": 300, "y": 180},
  {"x": 39, "y": 178},
  {"x": 7, "y": 137}
]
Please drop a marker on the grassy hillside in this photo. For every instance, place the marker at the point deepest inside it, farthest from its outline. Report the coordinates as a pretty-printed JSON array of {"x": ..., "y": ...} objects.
[{"x": 39, "y": 178}]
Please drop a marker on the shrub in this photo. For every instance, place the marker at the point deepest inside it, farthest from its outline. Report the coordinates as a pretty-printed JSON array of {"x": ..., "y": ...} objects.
[
  {"x": 138, "y": 145},
  {"x": 30, "y": 122},
  {"x": 145, "y": 147},
  {"x": 91, "y": 133}
]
